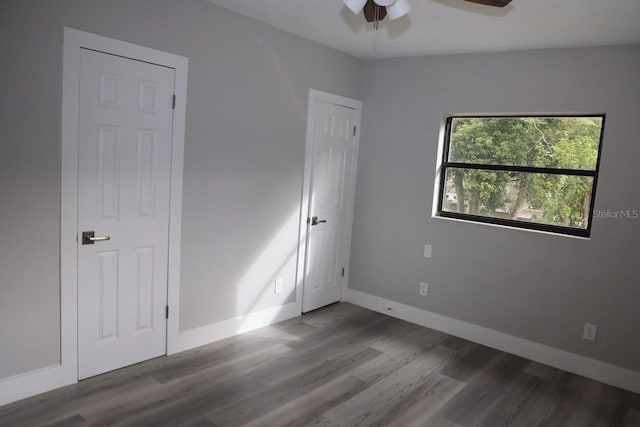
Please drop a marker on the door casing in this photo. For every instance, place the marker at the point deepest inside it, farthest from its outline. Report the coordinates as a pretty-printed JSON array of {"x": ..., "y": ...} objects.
[
  {"x": 75, "y": 40},
  {"x": 314, "y": 96}
]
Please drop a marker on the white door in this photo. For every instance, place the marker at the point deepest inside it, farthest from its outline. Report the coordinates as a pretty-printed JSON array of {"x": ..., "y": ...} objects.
[
  {"x": 125, "y": 128},
  {"x": 332, "y": 176}
]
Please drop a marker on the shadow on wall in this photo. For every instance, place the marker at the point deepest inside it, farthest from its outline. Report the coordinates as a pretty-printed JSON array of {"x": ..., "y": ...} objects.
[{"x": 278, "y": 260}]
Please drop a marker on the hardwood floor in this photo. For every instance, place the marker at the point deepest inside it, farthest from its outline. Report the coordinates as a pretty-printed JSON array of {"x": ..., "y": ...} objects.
[{"x": 338, "y": 366}]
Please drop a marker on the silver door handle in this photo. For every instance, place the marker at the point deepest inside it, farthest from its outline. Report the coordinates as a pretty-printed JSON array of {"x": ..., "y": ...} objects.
[
  {"x": 315, "y": 221},
  {"x": 89, "y": 238}
]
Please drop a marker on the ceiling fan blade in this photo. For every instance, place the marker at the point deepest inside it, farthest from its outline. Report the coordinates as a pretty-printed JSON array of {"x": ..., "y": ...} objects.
[
  {"x": 370, "y": 11},
  {"x": 496, "y": 3}
]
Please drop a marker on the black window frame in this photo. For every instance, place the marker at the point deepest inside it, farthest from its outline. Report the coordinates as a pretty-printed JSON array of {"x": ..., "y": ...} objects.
[{"x": 445, "y": 164}]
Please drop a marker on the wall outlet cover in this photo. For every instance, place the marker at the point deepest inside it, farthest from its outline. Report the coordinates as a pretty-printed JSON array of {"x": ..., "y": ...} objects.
[
  {"x": 278, "y": 285},
  {"x": 590, "y": 331},
  {"x": 424, "y": 288},
  {"x": 427, "y": 251}
]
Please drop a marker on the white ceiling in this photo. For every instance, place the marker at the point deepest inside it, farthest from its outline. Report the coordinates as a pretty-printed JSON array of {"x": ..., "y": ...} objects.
[{"x": 452, "y": 26}]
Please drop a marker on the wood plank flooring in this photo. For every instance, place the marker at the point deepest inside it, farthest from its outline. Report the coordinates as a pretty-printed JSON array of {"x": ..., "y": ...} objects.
[{"x": 338, "y": 366}]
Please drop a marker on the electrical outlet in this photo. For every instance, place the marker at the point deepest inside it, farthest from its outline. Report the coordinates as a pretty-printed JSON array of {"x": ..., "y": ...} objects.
[
  {"x": 590, "y": 331},
  {"x": 278, "y": 284},
  {"x": 427, "y": 251},
  {"x": 424, "y": 288}
]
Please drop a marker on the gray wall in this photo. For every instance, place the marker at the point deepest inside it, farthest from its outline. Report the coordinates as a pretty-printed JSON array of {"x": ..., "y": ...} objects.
[
  {"x": 244, "y": 155},
  {"x": 246, "y": 118},
  {"x": 536, "y": 286}
]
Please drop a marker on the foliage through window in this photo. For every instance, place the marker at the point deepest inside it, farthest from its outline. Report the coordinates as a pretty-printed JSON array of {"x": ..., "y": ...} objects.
[{"x": 537, "y": 172}]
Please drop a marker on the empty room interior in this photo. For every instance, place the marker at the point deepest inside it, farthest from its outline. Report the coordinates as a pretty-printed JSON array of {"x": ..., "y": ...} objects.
[{"x": 320, "y": 213}]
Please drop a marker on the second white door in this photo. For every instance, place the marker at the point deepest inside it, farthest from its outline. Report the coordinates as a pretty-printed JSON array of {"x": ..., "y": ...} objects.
[
  {"x": 125, "y": 128},
  {"x": 332, "y": 176}
]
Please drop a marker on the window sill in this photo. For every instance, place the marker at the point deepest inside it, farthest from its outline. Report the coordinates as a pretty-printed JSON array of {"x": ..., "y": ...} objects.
[{"x": 508, "y": 227}]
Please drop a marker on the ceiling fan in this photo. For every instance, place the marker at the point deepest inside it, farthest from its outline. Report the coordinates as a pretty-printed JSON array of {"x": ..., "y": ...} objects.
[{"x": 376, "y": 10}]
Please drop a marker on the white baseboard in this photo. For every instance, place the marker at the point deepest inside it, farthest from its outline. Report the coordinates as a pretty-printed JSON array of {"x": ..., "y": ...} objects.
[
  {"x": 228, "y": 328},
  {"x": 42, "y": 380},
  {"x": 571, "y": 362},
  {"x": 35, "y": 382}
]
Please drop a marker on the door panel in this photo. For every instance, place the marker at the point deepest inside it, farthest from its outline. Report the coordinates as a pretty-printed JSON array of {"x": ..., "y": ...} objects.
[
  {"x": 145, "y": 172},
  {"x": 108, "y": 294},
  {"x": 108, "y": 171},
  {"x": 125, "y": 128},
  {"x": 144, "y": 285},
  {"x": 332, "y": 167}
]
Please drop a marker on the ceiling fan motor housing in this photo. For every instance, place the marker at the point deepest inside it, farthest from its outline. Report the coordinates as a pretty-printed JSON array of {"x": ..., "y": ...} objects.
[{"x": 374, "y": 12}]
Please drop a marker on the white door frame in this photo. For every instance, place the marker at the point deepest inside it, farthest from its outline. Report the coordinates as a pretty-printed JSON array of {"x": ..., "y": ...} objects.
[
  {"x": 314, "y": 96},
  {"x": 74, "y": 41},
  {"x": 66, "y": 372}
]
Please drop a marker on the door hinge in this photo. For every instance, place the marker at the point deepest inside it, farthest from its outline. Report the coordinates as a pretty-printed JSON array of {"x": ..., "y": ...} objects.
[
  {"x": 354, "y": 131},
  {"x": 166, "y": 312},
  {"x": 173, "y": 104},
  {"x": 342, "y": 271}
]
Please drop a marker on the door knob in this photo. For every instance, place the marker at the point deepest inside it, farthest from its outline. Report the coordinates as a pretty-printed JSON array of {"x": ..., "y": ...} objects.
[
  {"x": 315, "y": 221},
  {"x": 89, "y": 238}
]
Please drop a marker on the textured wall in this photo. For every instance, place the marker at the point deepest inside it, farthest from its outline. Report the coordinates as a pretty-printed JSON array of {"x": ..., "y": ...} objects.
[
  {"x": 536, "y": 286},
  {"x": 244, "y": 156}
]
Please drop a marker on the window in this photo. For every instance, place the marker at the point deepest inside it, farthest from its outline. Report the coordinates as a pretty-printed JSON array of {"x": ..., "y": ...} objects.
[{"x": 535, "y": 172}]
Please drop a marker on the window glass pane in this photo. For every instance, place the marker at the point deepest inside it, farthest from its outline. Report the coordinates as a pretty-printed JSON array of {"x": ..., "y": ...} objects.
[
  {"x": 560, "y": 200},
  {"x": 550, "y": 142}
]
